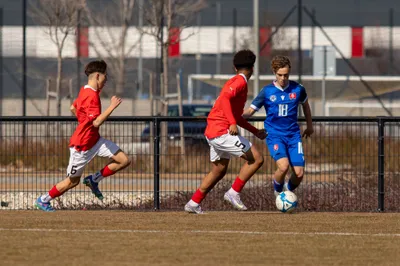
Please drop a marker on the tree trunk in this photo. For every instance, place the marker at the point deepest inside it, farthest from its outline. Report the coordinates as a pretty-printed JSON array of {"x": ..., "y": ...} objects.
[
  {"x": 165, "y": 78},
  {"x": 120, "y": 76},
  {"x": 58, "y": 83},
  {"x": 121, "y": 61},
  {"x": 164, "y": 92}
]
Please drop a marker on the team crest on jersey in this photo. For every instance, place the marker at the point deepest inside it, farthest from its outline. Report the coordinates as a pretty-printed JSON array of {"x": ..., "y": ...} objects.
[
  {"x": 276, "y": 147},
  {"x": 292, "y": 96},
  {"x": 272, "y": 98}
]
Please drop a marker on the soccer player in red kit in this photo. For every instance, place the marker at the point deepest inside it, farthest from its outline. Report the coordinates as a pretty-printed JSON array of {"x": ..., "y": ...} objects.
[
  {"x": 86, "y": 142},
  {"x": 223, "y": 136}
]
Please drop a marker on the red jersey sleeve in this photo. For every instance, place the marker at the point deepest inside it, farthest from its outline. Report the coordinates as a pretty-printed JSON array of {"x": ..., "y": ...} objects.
[
  {"x": 93, "y": 109},
  {"x": 229, "y": 92}
]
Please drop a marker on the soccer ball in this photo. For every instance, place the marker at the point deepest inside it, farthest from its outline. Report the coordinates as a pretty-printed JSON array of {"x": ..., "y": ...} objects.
[{"x": 286, "y": 201}]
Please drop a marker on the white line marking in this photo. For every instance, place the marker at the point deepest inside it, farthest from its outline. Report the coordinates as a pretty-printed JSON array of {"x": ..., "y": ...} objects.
[{"x": 196, "y": 232}]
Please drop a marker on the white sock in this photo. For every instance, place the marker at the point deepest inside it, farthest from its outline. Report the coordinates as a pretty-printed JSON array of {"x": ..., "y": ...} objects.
[
  {"x": 46, "y": 198},
  {"x": 233, "y": 192},
  {"x": 194, "y": 204},
  {"x": 97, "y": 177}
]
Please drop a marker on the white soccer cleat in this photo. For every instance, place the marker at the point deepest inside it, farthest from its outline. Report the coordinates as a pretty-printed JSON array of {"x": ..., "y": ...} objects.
[
  {"x": 235, "y": 201},
  {"x": 193, "y": 209}
]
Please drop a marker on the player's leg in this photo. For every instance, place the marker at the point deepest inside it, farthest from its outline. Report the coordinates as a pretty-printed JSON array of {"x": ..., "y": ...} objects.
[
  {"x": 297, "y": 161},
  {"x": 254, "y": 160},
  {"x": 295, "y": 178},
  {"x": 218, "y": 171},
  {"x": 220, "y": 162},
  {"x": 239, "y": 146},
  {"x": 43, "y": 202},
  {"x": 77, "y": 162},
  {"x": 278, "y": 151},
  {"x": 119, "y": 161}
]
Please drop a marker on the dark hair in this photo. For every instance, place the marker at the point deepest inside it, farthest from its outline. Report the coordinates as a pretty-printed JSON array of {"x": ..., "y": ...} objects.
[
  {"x": 96, "y": 66},
  {"x": 244, "y": 59},
  {"x": 280, "y": 61}
]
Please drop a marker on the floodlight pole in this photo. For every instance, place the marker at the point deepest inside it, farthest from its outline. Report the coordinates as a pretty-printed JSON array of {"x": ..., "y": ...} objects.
[
  {"x": 299, "y": 24},
  {"x": 140, "y": 60},
  {"x": 24, "y": 89},
  {"x": 323, "y": 100},
  {"x": 256, "y": 29},
  {"x": 218, "y": 57},
  {"x": 78, "y": 50},
  {"x": 24, "y": 59}
]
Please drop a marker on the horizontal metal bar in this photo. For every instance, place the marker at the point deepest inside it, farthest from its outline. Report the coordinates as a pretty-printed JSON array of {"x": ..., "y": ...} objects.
[{"x": 190, "y": 118}]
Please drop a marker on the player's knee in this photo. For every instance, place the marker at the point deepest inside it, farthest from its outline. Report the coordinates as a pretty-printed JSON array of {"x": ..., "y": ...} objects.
[
  {"x": 126, "y": 161},
  {"x": 123, "y": 160},
  {"x": 259, "y": 160},
  {"x": 74, "y": 181},
  {"x": 299, "y": 173},
  {"x": 284, "y": 168}
]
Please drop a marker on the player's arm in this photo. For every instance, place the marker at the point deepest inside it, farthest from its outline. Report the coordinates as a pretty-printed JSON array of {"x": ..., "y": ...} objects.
[
  {"x": 307, "y": 114},
  {"x": 248, "y": 112},
  {"x": 259, "y": 133},
  {"x": 115, "y": 102},
  {"x": 73, "y": 110},
  {"x": 246, "y": 125},
  {"x": 256, "y": 105}
]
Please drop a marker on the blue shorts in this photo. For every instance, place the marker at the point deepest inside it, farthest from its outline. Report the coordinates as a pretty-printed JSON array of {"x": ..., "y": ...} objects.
[{"x": 290, "y": 147}]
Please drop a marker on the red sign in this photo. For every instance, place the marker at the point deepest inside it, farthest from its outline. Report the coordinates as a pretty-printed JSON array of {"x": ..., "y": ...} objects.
[
  {"x": 292, "y": 96},
  {"x": 174, "y": 47},
  {"x": 357, "y": 42}
]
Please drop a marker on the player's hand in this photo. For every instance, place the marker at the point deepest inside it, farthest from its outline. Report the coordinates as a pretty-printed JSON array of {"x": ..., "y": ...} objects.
[
  {"x": 233, "y": 130},
  {"x": 262, "y": 134},
  {"x": 308, "y": 132},
  {"x": 115, "y": 101}
]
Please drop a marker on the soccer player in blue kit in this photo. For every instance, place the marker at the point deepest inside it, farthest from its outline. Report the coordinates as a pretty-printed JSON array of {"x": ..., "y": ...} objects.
[{"x": 280, "y": 100}]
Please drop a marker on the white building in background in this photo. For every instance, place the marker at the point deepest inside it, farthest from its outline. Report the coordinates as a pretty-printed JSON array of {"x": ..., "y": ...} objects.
[{"x": 352, "y": 41}]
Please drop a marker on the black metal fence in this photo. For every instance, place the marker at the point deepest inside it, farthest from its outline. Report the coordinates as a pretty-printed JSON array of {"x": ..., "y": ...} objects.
[{"x": 352, "y": 164}]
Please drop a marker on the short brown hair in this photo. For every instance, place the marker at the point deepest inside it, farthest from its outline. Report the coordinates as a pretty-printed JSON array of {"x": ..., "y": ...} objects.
[
  {"x": 280, "y": 61},
  {"x": 96, "y": 66}
]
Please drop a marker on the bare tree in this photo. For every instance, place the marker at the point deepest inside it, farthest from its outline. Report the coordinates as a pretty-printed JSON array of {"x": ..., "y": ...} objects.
[
  {"x": 60, "y": 19},
  {"x": 111, "y": 40},
  {"x": 174, "y": 15}
]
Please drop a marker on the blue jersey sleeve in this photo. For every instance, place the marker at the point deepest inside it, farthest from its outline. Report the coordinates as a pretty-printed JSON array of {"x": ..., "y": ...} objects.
[
  {"x": 259, "y": 101},
  {"x": 303, "y": 94}
]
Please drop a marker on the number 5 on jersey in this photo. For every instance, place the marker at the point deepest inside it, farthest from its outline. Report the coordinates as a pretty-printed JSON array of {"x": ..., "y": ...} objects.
[{"x": 283, "y": 110}]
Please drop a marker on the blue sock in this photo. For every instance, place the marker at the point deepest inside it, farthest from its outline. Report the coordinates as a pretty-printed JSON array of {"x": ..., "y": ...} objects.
[
  {"x": 291, "y": 186},
  {"x": 278, "y": 187}
]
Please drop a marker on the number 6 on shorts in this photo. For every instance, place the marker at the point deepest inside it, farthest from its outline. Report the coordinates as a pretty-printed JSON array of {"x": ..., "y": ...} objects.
[{"x": 73, "y": 170}]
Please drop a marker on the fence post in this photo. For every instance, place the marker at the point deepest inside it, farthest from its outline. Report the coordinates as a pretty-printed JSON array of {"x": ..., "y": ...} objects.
[
  {"x": 156, "y": 155},
  {"x": 381, "y": 164}
]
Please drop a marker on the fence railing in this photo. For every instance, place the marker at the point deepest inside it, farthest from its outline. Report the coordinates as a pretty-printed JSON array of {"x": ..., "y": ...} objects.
[{"x": 352, "y": 164}]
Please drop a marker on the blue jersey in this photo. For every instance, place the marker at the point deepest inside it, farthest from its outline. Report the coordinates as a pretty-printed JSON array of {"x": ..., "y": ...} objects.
[{"x": 281, "y": 107}]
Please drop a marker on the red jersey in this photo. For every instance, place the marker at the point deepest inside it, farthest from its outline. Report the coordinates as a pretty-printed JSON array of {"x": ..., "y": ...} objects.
[
  {"x": 228, "y": 108},
  {"x": 88, "y": 108}
]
